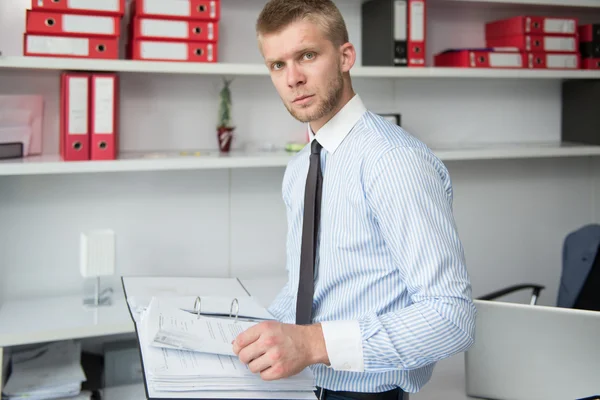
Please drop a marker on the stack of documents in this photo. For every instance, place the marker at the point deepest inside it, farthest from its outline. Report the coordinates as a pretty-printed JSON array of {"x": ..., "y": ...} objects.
[
  {"x": 51, "y": 371},
  {"x": 188, "y": 354}
]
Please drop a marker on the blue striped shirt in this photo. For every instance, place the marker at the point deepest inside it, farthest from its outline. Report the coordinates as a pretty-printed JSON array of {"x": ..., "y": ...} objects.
[{"x": 389, "y": 259}]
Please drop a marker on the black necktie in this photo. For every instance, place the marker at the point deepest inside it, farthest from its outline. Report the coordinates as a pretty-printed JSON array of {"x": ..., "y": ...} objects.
[{"x": 310, "y": 227}]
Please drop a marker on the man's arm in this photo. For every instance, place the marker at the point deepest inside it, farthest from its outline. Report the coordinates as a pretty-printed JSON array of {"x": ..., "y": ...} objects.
[
  {"x": 409, "y": 193},
  {"x": 282, "y": 303}
]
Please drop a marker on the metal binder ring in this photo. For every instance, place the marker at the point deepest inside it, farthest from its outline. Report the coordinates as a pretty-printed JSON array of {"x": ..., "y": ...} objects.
[
  {"x": 237, "y": 309},
  {"x": 197, "y": 306}
]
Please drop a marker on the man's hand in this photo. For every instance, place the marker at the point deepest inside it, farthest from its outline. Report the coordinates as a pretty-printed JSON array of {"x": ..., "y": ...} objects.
[{"x": 277, "y": 350}]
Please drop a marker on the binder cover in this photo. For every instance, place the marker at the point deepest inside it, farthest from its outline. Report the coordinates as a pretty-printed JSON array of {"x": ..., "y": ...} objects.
[
  {"x": 589, "y": 49},
  {"x": 74, "y": 116},
  {"x": 97, "y": 7},
  {"x": 589, "y": 33},
  {"x": 553, "y": 61},
  {"x": 199, "y": 10},
  {"x": 536, "y": 43},
  {"x": 170, "y": 29},
  {"x": 146, "y": 287},
  {"x": 174, "y": 51},
  {"x": 479, "y": 58},
  {"x": 531, "y": 25},
  {"x": 384, "y": 33},
  {"x": 78, "y": 47},
  {"x": 417, "y": 24},
  {"x": 54, "y": 23},
  {"x": 104, "y": 114},
  {"x": 590, "y": 63}
]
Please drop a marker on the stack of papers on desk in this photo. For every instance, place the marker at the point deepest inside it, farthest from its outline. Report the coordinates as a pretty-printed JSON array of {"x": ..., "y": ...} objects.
[
  {"x": 51, "y": 371},
  {"x": 186, "y": 355}
]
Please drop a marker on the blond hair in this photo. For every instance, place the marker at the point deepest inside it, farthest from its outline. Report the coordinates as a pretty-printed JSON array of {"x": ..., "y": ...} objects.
[{"x": 278, "y": 14}]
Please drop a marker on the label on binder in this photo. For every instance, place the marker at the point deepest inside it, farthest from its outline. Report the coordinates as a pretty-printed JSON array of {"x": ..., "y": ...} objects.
[
  {"x": 505, "y": 60},
  {"x": 165, "y": 51},
  {"x": 57, "y": 45},
  {"x": 85, "y": 24},
  {"x": 98, "y": 5},
  {"x": 555, "y": 25},
  {"x": 164, "y": 28}
]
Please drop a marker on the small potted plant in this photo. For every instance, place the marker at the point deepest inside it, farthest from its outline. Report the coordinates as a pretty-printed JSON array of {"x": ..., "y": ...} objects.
[{"x": 224, "y": 127}]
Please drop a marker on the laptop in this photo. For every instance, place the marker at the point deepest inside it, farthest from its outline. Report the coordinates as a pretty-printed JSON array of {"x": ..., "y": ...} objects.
[{"x": 533, "y": 352}]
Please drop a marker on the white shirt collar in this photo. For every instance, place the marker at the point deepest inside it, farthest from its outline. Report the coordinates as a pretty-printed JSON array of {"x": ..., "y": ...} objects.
[{"x": 333, "y": 133}]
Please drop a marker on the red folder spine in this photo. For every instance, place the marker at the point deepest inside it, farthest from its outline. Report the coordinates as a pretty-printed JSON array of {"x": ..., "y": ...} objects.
[
  {"x": 104, "y": 116},
  {"x": 590, "y": 63},
  {"x": 199, "y": 10},
  {"x": 96, "y": 7},
  {"x": 536, "y": 43},
  {"x": 174, "y": 51},
  {"x": 76, "y": 46},
  {"x": 416, "y": 33},
  {"x": 54, "y": 23},
  {"x": 74, "y": 116},
  {"x": 531, "y": 25},
  {"x": 553, "y": 61},
  {"x": 169, "y": 29}
]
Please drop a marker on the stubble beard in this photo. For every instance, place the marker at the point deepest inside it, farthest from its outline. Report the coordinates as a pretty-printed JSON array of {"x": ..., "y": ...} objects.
[{"x": 330, "y": 102}]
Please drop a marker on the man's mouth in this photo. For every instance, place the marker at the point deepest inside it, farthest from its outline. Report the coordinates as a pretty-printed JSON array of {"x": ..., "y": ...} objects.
[{"x": 301, "y": 99}]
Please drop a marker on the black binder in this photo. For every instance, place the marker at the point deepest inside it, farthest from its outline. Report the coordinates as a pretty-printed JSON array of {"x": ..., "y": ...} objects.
[{"x": 384, "y": 33}]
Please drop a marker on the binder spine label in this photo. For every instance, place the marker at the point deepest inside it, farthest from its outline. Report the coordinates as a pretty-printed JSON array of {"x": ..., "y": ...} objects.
[
  {"x": 58, "y": 45},
  {"x": 559, "y": 44},
  {"x": 561, "y": 61},
  {"x": 173, "y": 8},
  {"x": 97, "y": 5},
  {"x": 78, "y": 106},
  {"x": 166, "y": 29},
  {"x": 556, "y": 25},
  {"x": 400, "y": 33},
  {"x": 213, "y": 9},
  {"x": 166, "y": 51},
  {"x": 417, "y": 16},
  {"x": 505, "y": 60},
  {"x": 103, "y": 105},
  {"x": 85, "y": 24}
]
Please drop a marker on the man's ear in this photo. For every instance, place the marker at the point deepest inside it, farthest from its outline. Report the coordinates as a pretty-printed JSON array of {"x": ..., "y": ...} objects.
[{"x": 347, "y": 56}]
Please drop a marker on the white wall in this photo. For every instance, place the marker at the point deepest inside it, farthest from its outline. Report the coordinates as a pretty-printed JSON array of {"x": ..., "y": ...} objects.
[{"x": 512, "y": 216}]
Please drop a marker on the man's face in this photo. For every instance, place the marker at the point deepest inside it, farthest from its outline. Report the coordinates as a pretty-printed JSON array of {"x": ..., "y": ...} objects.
[{"x": 305, "y": 69}]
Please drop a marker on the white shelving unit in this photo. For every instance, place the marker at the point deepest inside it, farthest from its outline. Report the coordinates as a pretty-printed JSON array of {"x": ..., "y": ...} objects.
[
  {"x": 45, "y": 319},
  {"x": 42, "y": 165},
  {"x": 235, "y": 69}
]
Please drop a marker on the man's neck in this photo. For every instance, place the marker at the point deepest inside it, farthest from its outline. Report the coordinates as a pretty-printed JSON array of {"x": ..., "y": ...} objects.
[{"x": 347, "y": 95}]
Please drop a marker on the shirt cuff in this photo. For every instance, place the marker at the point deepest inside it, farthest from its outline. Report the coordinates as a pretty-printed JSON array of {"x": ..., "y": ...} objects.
[{"x": 344, "y": 345}]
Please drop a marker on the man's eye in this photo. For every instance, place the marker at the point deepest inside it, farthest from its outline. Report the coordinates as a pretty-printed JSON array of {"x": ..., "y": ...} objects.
[
  {"x": 277, "y": 65},
  {"x": 309, "y": 56}
]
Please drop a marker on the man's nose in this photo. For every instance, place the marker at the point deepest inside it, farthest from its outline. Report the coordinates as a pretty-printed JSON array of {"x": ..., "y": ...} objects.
[{"x": 295, "y": 76}]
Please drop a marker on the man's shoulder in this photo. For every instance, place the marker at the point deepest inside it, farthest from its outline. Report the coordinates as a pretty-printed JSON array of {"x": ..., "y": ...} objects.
[{"x": 379, "y": 137}]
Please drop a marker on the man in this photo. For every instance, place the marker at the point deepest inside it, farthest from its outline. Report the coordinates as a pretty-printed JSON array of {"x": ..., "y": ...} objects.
[{"x": 391, "y": 294}]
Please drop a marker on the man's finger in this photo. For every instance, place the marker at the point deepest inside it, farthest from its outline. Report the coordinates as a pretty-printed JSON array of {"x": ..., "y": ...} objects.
[
  {"x": 260, "y": 364},
  {"x": 252, "y": 352},
  {"x": 247, "y": 337}
]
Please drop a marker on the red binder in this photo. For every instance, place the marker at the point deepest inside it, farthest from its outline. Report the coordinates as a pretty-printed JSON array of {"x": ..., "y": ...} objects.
[
  {"x": 416, "y": 33},
  {"x": 590, "y": 63},
  {"x": 174, "y": 51},
  {"x": 536, "y": 43},
  {"x": 524, "y": 25},
  {"x": 74, "y": 116},
  {"x": 170, "y": 29},
  {"x": 96, "y": 7},
  {"x": 199, "y": 10},
  {"x": 54, "y": 23},
  {"x": 589, "y": 33},
  {"x": 76, "y": 46},
  {"x": 553, "y": 61},
  {"x": 104, "y": 96},
  {"x": 476, "y": 58}
]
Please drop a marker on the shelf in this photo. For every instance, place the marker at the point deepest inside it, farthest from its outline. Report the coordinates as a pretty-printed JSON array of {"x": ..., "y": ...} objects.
[
  {"x": 60, "y": 318},
  {"x": 162, "y": 67},
  {"x": 42, "y": 165}
]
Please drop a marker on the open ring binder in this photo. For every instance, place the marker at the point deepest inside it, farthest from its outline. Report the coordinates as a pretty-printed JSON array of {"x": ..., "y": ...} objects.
[{"x": 234, "y": 302}]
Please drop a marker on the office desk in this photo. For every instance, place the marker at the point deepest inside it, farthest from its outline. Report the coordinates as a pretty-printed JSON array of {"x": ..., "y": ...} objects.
[{"x": 448, "y": 377}]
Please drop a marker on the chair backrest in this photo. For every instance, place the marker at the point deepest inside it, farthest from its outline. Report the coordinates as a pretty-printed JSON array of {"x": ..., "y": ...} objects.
[{"x": 580, "y": 277}]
